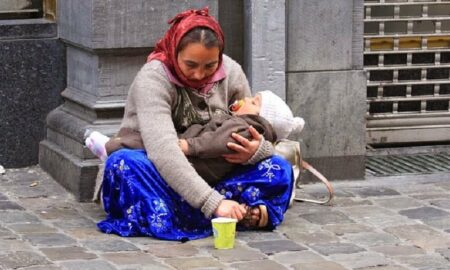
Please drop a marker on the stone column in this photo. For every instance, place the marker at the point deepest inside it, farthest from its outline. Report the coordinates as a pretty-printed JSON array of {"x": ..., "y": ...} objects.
[
  {"x": 107, "y": 43},
  {"x": 326, "y": 84},
  {"x": 265, "y": 45}
]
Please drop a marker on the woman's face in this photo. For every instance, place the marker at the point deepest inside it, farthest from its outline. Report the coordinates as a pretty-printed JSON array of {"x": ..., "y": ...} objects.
[{"x": 198, "y": 62}]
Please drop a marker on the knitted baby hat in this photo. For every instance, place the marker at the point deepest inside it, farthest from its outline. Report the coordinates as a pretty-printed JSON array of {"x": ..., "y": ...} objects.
[{"x": 279, "y": 115}]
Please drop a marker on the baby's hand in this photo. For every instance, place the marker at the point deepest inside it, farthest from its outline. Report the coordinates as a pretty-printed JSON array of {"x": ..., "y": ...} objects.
[{"x": 183, "y": 145}]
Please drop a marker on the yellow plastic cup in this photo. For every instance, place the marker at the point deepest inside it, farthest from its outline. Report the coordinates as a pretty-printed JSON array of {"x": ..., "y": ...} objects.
[{"x": 224, "y": 230}]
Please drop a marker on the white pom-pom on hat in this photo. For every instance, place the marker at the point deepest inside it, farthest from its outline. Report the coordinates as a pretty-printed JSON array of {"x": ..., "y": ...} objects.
[{"x": 279, "y": 115}]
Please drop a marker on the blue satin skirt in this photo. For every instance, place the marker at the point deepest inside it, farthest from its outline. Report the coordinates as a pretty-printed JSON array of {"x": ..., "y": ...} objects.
[{"x": 138, "y": 202}]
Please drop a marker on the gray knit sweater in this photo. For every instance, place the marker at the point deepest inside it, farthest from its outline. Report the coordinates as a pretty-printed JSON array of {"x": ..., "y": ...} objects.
[{"x": 150, "y": 103}]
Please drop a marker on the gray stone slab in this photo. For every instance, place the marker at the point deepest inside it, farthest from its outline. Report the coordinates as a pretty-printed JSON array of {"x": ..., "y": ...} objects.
[
  {"x": 27, "y": 29},
  {"x": 56, "y": 212},
  {"x": 336, "y": 248},
  {"x": 12, "y": 217},
  {"x": 258, "y": 265},
  {"x": 343, "y": 202},
  {"x": 372, "y": 239},
  {"x": 3, "y": 197},
  {"x": 50, "y": 239},
  {"x": 130, "y": 258},
  {"x": 32, "y": 73},
  {"x": 342, "y": 229},
  {"x": 192, "y": 263},
  {"x": 375, "y": 216},
  {"x": 88, "y": 265},
  {"x": 398, "y": 202},
  {"x": 20, "y": 259},
  {"x": 239, "y": 253},
  {"x": 8, "y": 205},
  {"x": 421, "y": 236},
  {"x": 258, "y": 236},
  {"x": 81, "y": 222},
  {"x": 46, "y": 267},
  {"x": 441, "y": 203},
  {"x": 109, "y": 246},
  {"x": 340, "y": 125},
  {"x": 398, "y": 250},
  {"x": 172, "y": 250},
  {"x": 424, "y": 262},
  {"x": 275, "y": 246},
  {"x": 297, "y": 257},
  {"x": 320, "y": 41},
  {"x": 360, "y": 260},
  {"x": 334, "y": 217},
  {"x": 319, "y": 266},
  {"x": 386, "y": 267},
  {"x": 312, "y": 237},
  {"x": 431, "y": 196},
  {"x": 445, "y": 253},
  {"x": 374, "y": 191},
  {"x": 67, "y": 253},
  {"x": 439, "y": 223},
  {"x": 424, "y": 213},
  {"x": 120, "y": 24},
  {"x": 14, "y": 244},
  {"x": 32, "y": 228}
]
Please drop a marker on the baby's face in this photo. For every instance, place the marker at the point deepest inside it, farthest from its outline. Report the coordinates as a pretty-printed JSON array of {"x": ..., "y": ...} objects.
[{"x": 250, "y": 105}]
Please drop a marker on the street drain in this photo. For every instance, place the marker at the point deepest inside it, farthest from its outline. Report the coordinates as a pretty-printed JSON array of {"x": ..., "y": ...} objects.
[{"x": 407, "y": 164}]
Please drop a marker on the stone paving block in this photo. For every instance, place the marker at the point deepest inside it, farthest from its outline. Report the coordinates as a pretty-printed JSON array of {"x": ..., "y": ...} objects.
[
  {"x": 88, "y": 265},
  {"x": 3, "y": 197},
  {"x": 386, "y": 267},
  {"x": 334, "y": 217},
  {"x": 424, "y": 213},
  {"x": 258, "y": 265},
  {"x": 312, "y": 237},
  {"x": 81, "y": 222},
  {"x": 46, "y": 267},
  {"x": 420, "y": 189},
  {"x": 297, "y": 257},
  {"x": 50, "y": 239},
  {"x": 109, "y": 245},
  {"x": 375, "y": 216},
  {"x": 342, "y": 229},
  {"x": 439, "y": 223},
  {"x": 319, "y": 266},
  {"x": 90, "y": 233},
  {"x": 14, "y": 245},
  {"x": 343, "y": 202},
  {"x": 398, "y": 250},
  {"x": 275, "y": 246},
  {"x": 360, "y": 260},
  {"x": 445, "y": 253},
  {"x": 32, "y": 228},
  {"x": 237, "y": 254},
  {"x": 59, "y": 213},
  {"x": 425, "y": 262},
  {"x": 258, "y": 236},
  {"x": 192, "y": 263},
  {"x": 20, "y": 259},
  {"x": 13, "y": 217},
  {"x": 30, "y": 192},
  {"x": 372, "y": 239},
  {"x": 172, "y": 250},
  {"x": 441, "y": 203},
  {"x": 365, "y": 192},
  {"x": 398, "y": 203},
  {"x": 336, "y": 248},
  {"x": 8, "y": 205},
  {"x": 6, "y": 234},
  {"x": 67, "y": 253},
  {"x": 433, "y": 196},
  {"x": 130, "y": 258},
  {"x": 421, "y": 236}
]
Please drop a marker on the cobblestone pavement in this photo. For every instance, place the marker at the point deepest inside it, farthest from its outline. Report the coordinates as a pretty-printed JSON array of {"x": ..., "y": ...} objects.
[{"x": 388, "y": 223}]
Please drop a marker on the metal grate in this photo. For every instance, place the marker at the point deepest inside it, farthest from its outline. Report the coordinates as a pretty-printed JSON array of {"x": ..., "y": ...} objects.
[
  {"x": 407, "y": 164},
  {"x": 407, "y": 60}
]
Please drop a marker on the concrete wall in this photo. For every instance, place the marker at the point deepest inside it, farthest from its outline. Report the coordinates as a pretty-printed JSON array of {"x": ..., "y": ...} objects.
[{"x": 326, "y": 84}]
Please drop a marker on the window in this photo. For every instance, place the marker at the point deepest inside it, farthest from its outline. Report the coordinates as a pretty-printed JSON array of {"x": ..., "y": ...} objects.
[{"x": 27, "y": 9}]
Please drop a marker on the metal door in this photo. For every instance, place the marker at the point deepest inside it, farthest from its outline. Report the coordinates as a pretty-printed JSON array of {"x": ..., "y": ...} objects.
[{"x": 407, "y": 60}]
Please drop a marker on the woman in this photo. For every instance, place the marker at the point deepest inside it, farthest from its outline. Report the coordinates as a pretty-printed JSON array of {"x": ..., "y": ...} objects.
[{"x": 156, "y": 192}]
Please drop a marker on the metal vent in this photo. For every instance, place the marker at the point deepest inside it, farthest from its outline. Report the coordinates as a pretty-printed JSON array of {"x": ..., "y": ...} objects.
[{"x": 407, "y": 164}]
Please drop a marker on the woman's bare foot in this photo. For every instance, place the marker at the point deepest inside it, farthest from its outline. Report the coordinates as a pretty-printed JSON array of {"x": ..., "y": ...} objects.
[{"x": 255, "y": 217}]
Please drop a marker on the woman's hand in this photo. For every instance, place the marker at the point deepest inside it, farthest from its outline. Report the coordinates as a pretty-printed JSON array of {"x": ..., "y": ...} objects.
[
  {"x": 246, "y": 149},
  {"x": 230, "y": 209}
]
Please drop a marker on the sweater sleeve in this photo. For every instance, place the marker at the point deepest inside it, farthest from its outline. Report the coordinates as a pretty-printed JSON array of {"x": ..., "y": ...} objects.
[
  {"x": 213, "y": 143},
  {"x": 150, "y": 93}
]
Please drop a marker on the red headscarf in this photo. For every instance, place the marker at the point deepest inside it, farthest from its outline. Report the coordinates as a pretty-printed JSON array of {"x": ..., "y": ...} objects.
[{"x": 165, "y": 50}]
